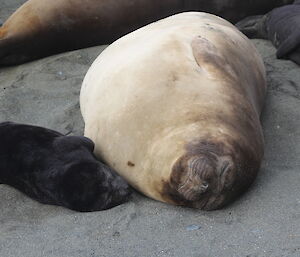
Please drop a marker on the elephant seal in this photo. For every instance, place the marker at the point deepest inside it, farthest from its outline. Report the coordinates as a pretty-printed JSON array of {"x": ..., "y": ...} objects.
[
  {"x": 281, "y": 26},
  {"x": 179, "y": 102},
  {"x": 41, "y": 28},
  {"x": 56, "y": 169}
]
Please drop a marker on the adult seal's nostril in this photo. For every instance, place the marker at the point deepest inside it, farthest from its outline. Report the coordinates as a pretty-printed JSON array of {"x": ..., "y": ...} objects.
[{"x": 204, "y": 186}]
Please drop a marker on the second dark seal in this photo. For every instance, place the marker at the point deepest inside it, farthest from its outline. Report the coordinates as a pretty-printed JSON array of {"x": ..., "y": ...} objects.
[{"x": 281, "y": 26}]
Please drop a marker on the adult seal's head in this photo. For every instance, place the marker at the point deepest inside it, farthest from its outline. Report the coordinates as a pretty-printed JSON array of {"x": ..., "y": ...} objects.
[
  {"x": 42, "y": 27},
  {"x": 180, "y": 100},
  {"x": 281, "y": 26},
  {"x": 56, "y": 169},
  {"x": 208, "y": 175}
]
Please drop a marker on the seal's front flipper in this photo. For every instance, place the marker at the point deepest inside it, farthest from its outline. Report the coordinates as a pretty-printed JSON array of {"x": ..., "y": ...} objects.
[
  {"x": 209, "y": 58},
  {"x": 288, "y": 46},
  {"x": 253, "y": 26}
]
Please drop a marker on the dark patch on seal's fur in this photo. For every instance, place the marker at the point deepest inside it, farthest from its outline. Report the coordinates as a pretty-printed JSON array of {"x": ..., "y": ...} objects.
[
  {"x": 56, "y": 169},
  {"x": 130, "y": 164},
  {"x": 245, "y": 166}
]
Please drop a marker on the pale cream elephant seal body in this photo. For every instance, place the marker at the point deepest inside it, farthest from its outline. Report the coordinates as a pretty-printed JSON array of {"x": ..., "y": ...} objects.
[{"x": 174, "y": 108}]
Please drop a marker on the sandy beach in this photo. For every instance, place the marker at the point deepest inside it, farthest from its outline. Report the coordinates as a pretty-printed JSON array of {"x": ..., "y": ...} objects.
[{"x": 263, "y": 222}]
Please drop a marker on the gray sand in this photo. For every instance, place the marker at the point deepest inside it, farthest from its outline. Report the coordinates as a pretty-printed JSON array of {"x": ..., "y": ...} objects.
[{"x": 263, "y": 222}]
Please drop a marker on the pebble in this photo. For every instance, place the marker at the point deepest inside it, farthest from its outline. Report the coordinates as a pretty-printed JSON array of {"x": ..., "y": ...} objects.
[{"x": 192, "y": 227}]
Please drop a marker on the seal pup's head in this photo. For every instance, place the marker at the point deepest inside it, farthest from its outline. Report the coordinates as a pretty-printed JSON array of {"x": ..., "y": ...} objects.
[
  {"x": 87, "y": 184},
  {"x": 92, "y": 186}
]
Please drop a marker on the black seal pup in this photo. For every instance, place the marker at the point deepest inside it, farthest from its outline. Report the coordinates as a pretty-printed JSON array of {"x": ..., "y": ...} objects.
[
  {"x": 56, "y": 169},
  {"x": 281, "y": 26}
]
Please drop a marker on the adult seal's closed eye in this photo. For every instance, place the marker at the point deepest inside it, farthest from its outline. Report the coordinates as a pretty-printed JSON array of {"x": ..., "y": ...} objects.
[
  {"x": 56, "y": 169},
  {"x": 42, "y": 27},
  {"x": 281, "y": 26},
  {"x": 180, "y": 100}
]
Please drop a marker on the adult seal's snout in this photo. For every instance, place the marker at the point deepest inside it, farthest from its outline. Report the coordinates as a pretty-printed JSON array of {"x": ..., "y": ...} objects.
[{"x": 207, "y": 175}]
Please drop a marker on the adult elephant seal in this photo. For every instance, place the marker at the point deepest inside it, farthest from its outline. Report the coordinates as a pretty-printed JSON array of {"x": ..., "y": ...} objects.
[
  {"x": 281, "y": 26},
  {"x": 41, "y": 27},
  {"x": 174, "y": 108},
  {"x": 56, "y": 169}
]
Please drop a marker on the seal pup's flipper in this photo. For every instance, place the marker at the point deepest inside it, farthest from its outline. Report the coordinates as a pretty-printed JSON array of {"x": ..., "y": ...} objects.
[
  {"x": 288, "y": 46},
  {"x": 253, "y": 26}
]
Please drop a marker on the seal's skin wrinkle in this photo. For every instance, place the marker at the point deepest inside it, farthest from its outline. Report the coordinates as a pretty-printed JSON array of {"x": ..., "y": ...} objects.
[
  {"x": 41, "y": 28},
  {"x": 181, "y": 100},
  {"x": 281, "y": 26},
  {"x": 56, "y": 169}
]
